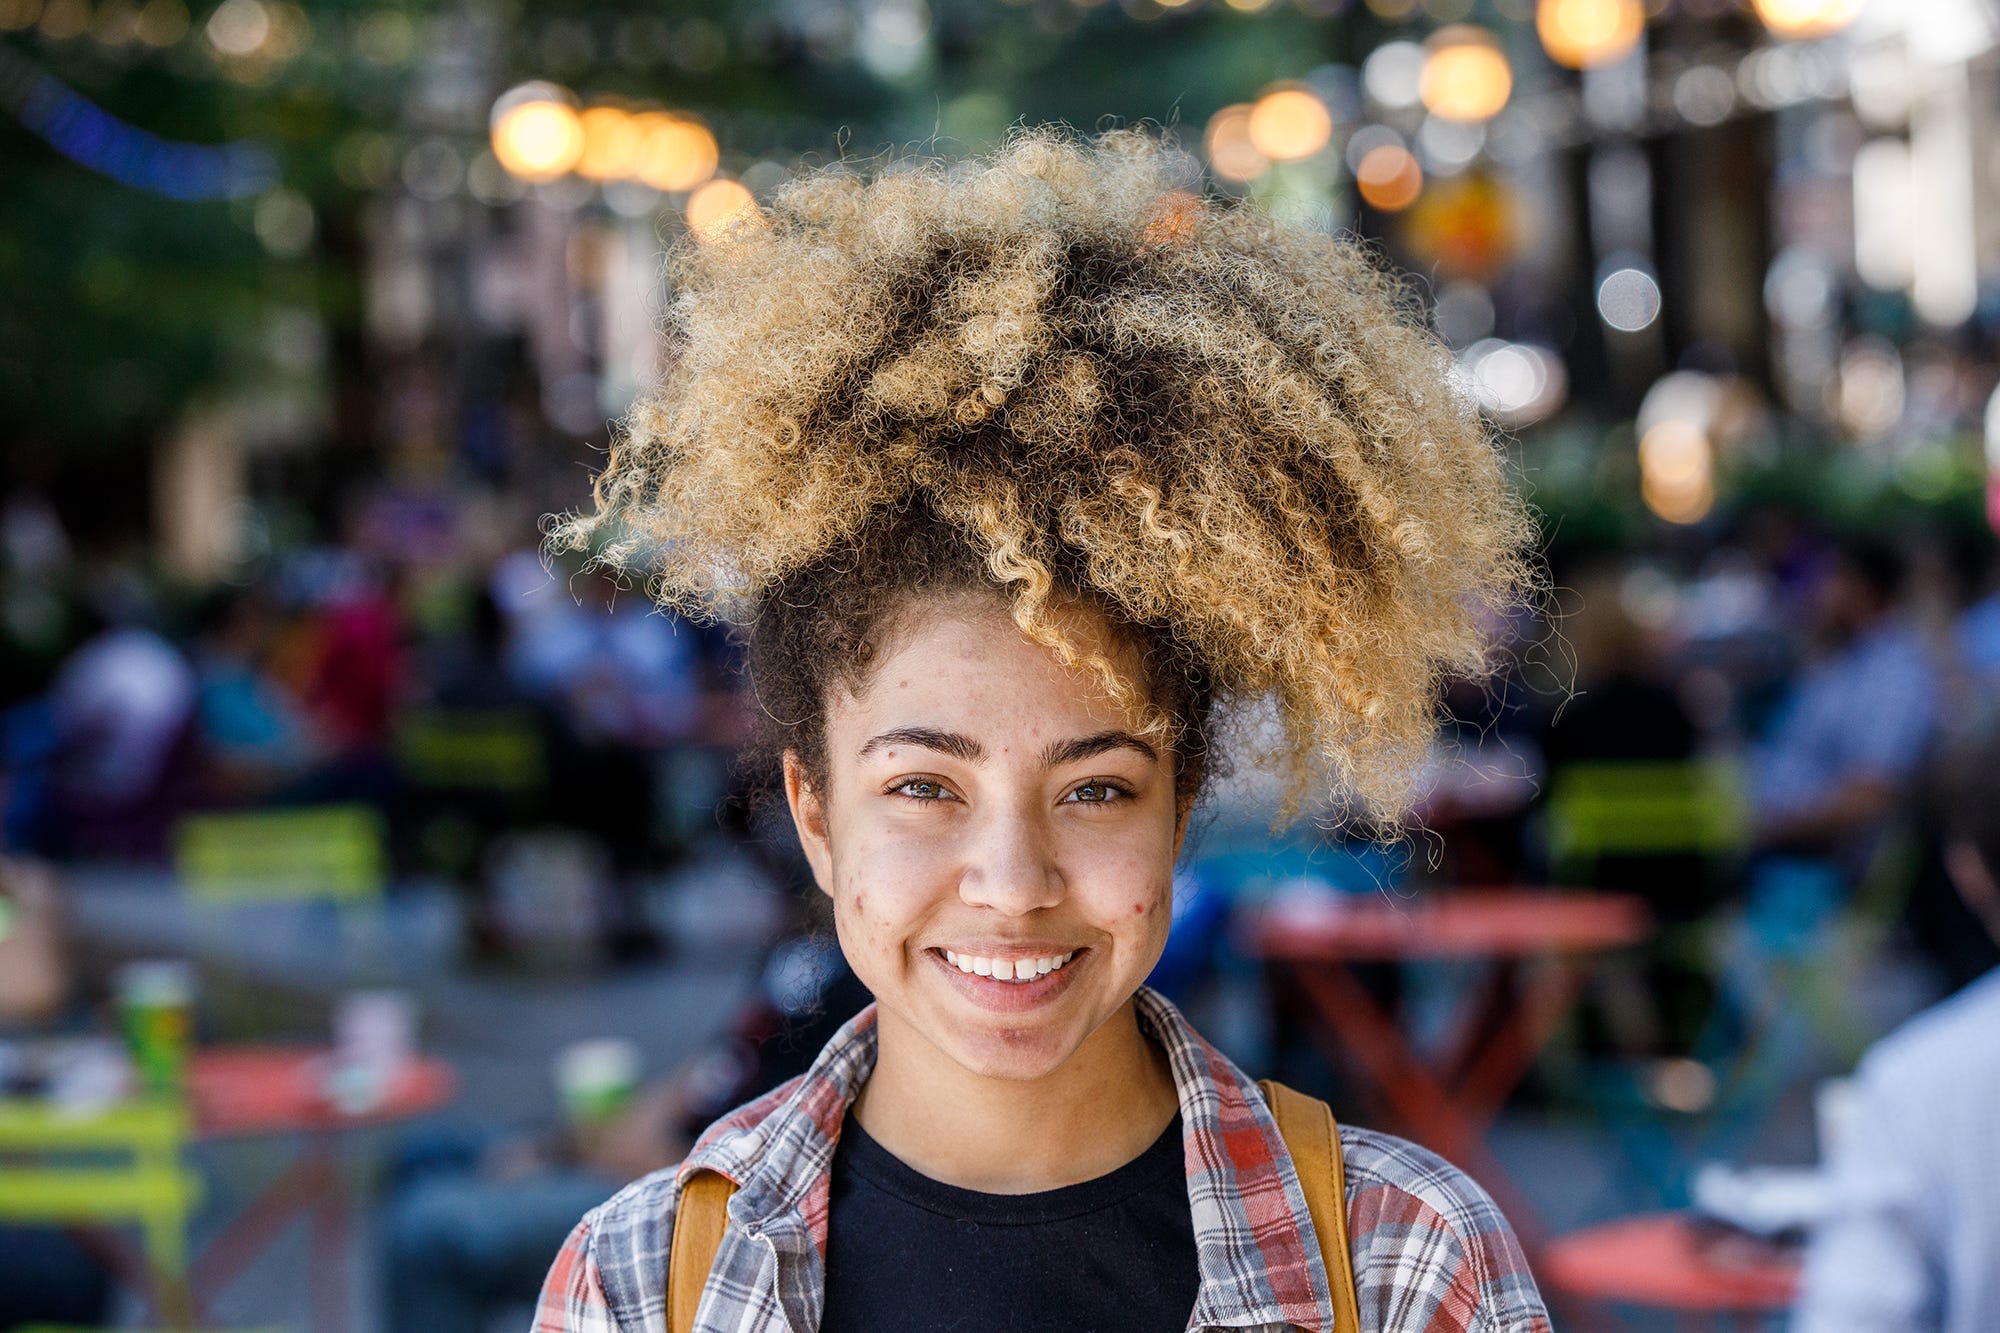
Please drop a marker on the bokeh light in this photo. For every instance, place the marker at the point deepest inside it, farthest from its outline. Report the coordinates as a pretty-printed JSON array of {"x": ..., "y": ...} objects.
[
  {"x": 1585, "y": 33},
  {"x": 1393, "y": 74},
  {"x": 238, "y": 27},
  {"x": 536, "y": 132},
  {"x": 1289, "y": 123},
  {"x": 610, "y": 144},
  {"x": 674, "y": 153},
  {"x": 1466, "y": 76},
  {"x": 1628, "y": 298},
  {"x": 1677, "y": 471},
  {"x": 717, "y": 207},
  {"x": 1231, "y": 154},
  {"x": 1806, "y": 18},
  {"x": 1517, "y": 384},
  {"x": 1389, "y": 178},
  {"x": 162, "y": 22}
]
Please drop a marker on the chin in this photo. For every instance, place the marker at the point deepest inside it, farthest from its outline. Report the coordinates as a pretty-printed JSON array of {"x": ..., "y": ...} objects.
[{"x": 1012, "y": 1053}]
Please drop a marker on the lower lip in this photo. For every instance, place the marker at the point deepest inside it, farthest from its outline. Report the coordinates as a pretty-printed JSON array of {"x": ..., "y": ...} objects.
[{"x": 1010, "y": 997}]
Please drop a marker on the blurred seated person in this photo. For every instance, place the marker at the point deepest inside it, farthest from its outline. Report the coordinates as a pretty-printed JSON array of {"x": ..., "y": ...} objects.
[
  {"x": 621, "y": 676},
  {"x": 45, "y": 1277},
  {"x": 1849, "y": 739},
  {"x": 124, "y": 712},
  {"x": 255, "y": 739},
  {"x": 1620, "y": 708},
  {"x": 469, "y": 1233},
  {"x": 1913, "y": 1242}
]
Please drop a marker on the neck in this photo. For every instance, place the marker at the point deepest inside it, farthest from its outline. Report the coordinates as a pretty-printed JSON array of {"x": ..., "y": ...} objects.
[{"x": 1106, "y": 1105}]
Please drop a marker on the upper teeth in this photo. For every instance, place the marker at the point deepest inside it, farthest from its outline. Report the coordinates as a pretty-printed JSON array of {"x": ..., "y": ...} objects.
[{"x": 1007, "y": 969}]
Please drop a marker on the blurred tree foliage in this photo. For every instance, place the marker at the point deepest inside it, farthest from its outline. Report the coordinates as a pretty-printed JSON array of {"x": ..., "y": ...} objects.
[{"x": 122, "y": 306}]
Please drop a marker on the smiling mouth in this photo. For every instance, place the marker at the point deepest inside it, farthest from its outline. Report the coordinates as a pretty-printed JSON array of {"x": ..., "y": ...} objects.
[{"x": 1016, "y": 970}]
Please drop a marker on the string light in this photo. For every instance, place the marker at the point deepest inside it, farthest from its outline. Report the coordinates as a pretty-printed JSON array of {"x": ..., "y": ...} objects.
[
  {"x": 1806, "y": 18},
  {"x": 1230, "y": 152},
  {"x": 675, "y": 153},
  {"x": 1466, "y": 76},
  {"x": 1677, "y": 471},
  {"x": 536, "y": 132},
  {"x": 1585, "y": 33},
  {"x": 1289, "y": 123},
  {"x": 92, "y": 137},
  {"x": 1389, "y": 177},
  {"x": 610, "y": 144},
  {"x": 717, "y": 207}
]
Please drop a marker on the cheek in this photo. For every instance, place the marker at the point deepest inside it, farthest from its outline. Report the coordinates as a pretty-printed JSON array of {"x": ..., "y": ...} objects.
[{"x": 877, "y": 909}]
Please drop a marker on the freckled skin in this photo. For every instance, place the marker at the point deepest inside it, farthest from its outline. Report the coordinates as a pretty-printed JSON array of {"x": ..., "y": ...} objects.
[{"x": 1007, "y": 851}]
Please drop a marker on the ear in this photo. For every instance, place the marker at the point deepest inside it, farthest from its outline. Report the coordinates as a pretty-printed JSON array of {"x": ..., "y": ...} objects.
[{"x": 808, "y": 808}]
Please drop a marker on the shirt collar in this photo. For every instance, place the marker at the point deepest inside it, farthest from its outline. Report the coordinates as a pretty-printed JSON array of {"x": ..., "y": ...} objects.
[{"x": 1254, "y": 1240}]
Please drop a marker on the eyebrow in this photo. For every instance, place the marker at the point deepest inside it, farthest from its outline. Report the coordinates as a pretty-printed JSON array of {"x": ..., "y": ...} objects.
[
  {"x": 961, "y": 746},
  {"x": 953, "y": 743}
]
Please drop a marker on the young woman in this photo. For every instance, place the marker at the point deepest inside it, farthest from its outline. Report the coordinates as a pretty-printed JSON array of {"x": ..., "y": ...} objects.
[{"x": 1010, "y": 471}]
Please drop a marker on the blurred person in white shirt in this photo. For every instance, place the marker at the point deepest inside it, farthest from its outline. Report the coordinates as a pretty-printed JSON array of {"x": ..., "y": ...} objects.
[{"x": 1912, "y": 1244}]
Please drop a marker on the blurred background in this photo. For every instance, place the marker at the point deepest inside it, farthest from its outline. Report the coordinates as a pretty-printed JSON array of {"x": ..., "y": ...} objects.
[{"x": 381, "y": 897}]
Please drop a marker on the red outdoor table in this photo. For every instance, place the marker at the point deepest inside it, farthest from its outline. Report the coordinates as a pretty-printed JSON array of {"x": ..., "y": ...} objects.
[
  {"x": 1534, "y": 944},
  {"x": 1670, "y": 1261},
  {"x": 250, "y": 1091}
]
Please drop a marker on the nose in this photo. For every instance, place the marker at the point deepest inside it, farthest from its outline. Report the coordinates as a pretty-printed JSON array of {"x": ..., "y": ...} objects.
[{"x": 1010, "y": 868}]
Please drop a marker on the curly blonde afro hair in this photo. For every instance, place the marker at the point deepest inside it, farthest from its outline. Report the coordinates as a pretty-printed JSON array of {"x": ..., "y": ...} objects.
[{"x": 1060, "y": 372}]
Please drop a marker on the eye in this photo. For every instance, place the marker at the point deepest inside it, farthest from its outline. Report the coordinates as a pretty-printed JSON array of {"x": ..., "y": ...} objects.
[
  {"x": 1096, "y": 793},
  {"x": 921, "y": 789}
]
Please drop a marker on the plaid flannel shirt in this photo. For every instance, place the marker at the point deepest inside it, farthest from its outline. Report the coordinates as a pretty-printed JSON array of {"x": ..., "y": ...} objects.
[{"x": 1432, "y": 1254}]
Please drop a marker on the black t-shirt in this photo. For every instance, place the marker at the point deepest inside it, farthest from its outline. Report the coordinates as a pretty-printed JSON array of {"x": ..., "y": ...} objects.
[{"x": 1111, "y": 1255}]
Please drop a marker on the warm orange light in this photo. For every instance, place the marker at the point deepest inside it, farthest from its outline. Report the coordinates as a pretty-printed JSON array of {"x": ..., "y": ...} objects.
[
  {"x": 675, "y": 153},
  {"x": 1289, "y": 123},
  {"x": 1806, "y": 18},
  {"x": 536, "y": 132},
  {"x": 717, "y": 207},
  {"x": 610, "y": 144},
  {"x": 1466, "y": 75},
  {"x": 1389, "y": 178},
  {"x": 1230, "y": 152},
  {"x": 1677, "y": 471},
  {"x": 1583, "y": 33}
]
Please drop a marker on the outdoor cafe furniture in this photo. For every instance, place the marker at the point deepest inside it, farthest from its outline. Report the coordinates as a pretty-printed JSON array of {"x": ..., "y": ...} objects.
[
  {"x": 133, "y": 1169},
  {"x": 240, "y": 1092},
  {"x": 1674, "y": 1262},
  {"x": 1533, "y": 946}
]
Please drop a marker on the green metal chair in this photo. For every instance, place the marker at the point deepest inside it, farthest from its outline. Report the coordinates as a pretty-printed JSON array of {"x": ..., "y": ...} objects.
[
  {"x": 492, "y": 750},
  {"x": 333, "y": 854},
  {"x": 123, "y": 1166},
  {"x": 1631, "y": 808}
]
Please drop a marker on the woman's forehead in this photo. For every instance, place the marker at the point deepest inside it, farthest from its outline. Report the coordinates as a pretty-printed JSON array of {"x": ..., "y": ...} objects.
[{"x": 961, "y": 661}]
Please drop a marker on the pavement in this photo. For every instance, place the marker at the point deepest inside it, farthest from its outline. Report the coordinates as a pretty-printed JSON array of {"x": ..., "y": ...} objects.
[{"x": 275, "y": 972}]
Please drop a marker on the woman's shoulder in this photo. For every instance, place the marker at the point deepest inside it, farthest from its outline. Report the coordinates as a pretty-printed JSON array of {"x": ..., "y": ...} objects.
[
  {"x": 639, "y": 1218},
  {"x": 1421, "y": 1230}
]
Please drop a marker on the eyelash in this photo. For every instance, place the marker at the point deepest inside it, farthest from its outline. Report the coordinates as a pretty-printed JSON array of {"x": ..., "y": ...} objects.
[{"x": 1118, "y": 791}]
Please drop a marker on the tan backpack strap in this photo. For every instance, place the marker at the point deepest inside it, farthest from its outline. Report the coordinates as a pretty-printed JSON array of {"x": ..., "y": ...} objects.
[
  {"x": 1313, "y": 1139},
  {"x": 698, "y": 1226}
]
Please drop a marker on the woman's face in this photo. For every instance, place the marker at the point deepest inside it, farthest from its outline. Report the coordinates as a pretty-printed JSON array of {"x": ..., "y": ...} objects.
[{"x": 997, "y": 839}]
